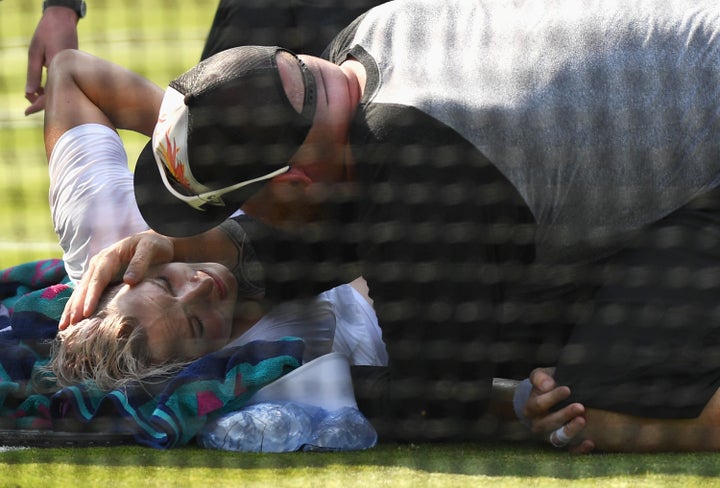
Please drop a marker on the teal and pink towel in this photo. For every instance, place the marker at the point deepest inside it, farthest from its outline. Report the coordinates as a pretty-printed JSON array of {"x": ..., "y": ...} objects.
[{"x": 163, "y": 415}]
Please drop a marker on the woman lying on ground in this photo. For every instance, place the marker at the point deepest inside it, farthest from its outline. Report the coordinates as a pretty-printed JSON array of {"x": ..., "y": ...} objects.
[{"x": 180, "y": 311}]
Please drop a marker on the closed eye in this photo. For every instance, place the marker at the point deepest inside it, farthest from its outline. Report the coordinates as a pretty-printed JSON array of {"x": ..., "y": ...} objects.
[
  {"x": 165, "y": 283},
  {"x": 198, "y": 327}
]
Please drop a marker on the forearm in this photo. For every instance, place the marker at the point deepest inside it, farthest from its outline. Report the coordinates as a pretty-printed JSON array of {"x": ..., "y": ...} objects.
[
  {"x": 85, "y": 89},
  {"x": 615, "y": 432},
  {"x": 129, "y": 100}
]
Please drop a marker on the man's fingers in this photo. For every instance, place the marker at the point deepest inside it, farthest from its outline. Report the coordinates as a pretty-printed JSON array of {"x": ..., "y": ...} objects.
[
  {"x": 93, "y": 292},
  {"x": 37, "y": 105},
  {"x": 561, "y": 427},
  {"x": 33, "y": 83},
  {"x": 146, "y": 249},
  {"x": 559, "y": 437},
  {"x": 540, "y": 404},
  {"x": 574, "y": 426},
  {"x": 65, "y": 317},
  {"x": 86, "y": 296},
  {"x": 138, "y": 265},
  {"x": 104, "y": 269},
  {"x": 569, "y": 434},
  {"x": 554, "y": 420},
  {"x": 542, "y": 379},
  {"x": 73, "y": 311}
]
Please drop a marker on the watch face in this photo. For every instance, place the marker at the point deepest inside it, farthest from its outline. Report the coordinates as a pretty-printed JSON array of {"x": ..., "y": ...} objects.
[{"x": 83, "y": 9}]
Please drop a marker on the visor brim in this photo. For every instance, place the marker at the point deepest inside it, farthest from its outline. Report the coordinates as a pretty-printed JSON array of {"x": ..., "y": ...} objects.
[{"x": 172, "y": 217}]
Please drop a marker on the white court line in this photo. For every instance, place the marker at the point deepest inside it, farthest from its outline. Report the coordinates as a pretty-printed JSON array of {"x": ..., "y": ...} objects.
[{"x": 12, "y": 448}]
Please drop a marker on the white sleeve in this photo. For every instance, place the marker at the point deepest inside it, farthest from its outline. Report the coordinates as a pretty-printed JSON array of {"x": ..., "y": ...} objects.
[
  {"x": 357, "y": 333},
  {"x": 313, "y": 322},
  {"x": 92, "y": 202},
  {"x": 339, "y": 320}
]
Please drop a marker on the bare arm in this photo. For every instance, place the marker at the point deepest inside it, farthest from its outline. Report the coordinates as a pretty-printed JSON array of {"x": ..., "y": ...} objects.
[
  {"x": 85, "y": 89},
  {"x": 616, "y": 432}
]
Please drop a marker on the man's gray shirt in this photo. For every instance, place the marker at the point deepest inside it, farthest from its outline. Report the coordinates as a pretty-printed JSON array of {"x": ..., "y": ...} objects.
[{"x": 605, "y": 115}]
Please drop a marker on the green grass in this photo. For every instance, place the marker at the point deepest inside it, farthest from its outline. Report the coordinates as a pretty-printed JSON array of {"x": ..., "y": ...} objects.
[
  {"x": 162, "y": 44},
  {"x": 411, "y": 466}
]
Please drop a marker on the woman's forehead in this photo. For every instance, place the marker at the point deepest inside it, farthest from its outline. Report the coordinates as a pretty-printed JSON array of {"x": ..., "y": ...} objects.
[
  {"x": 160, "y": 316},
  {"x": 151, "y": 304}
]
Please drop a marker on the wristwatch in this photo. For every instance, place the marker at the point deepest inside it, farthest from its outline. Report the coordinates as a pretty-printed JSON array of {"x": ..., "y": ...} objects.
[{"x": 78, "y": 6}]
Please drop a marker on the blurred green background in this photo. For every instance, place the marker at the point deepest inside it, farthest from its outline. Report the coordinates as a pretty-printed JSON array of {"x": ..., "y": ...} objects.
[{"x": 159, "y": 39}]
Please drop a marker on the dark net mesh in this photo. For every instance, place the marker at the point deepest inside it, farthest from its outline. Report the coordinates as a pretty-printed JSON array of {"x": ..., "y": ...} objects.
[{"x": 446, "y": 244}]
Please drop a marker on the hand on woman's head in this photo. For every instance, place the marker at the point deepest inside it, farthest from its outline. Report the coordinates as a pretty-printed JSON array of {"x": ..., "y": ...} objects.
[
  {"x": 108, "y": 348},
  {"x": 128, "y": 260}
]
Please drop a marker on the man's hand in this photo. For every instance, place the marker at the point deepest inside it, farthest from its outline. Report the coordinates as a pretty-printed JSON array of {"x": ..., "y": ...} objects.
[
  {"x": 561, "y": 427},
  {"x": 128, "y": 259},
  {"x": 56, "y": 31}
]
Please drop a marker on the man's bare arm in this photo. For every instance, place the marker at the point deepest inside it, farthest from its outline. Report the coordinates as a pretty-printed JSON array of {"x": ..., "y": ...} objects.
[{"x": 615, "y": 432}]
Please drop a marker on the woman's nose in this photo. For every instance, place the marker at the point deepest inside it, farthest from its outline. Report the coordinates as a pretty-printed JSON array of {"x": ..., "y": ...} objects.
[{"x": 199, "y": 286}]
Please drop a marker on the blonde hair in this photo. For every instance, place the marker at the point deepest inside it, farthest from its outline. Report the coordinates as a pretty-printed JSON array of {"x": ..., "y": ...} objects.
[{"x": 108, "y": 349}]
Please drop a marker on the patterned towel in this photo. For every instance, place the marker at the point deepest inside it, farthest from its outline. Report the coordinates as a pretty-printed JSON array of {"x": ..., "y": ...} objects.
[{"x": 164, "y": 415}]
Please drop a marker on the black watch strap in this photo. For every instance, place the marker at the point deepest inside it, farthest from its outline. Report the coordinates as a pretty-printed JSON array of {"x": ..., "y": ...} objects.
[{"x": 77, "y": 5}]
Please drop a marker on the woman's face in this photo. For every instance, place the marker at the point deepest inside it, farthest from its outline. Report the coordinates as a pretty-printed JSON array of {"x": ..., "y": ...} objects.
[{"x": 186, "y": 309}]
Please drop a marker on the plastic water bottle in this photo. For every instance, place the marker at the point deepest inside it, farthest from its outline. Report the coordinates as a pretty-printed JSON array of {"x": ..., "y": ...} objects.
[
  {"x": 345, "y": 429},
  {"x": 288, "y": 426},
  {"x": 263, "y": 427}
]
